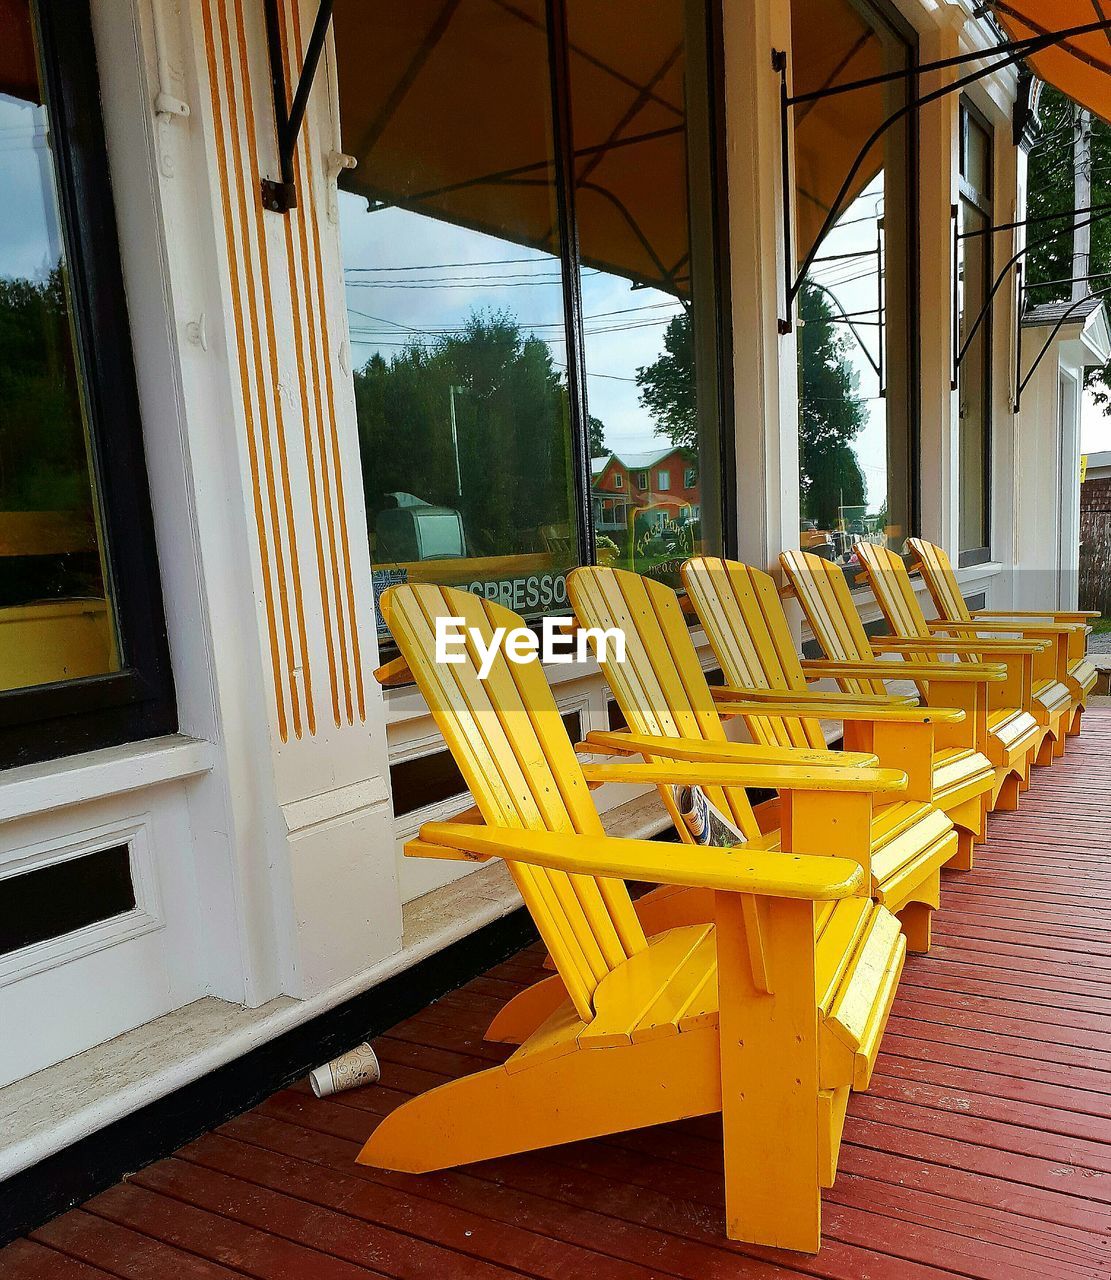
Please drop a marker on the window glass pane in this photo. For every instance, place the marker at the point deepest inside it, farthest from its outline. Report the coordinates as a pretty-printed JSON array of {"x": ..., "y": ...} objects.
[
  {"x": 640, "y": 120},
  {"x": 56, "y": 620},
  {"x": 455, "y": 296},
  {"x": 974, "y": 381},
  {"x": 856, "y": 305}
]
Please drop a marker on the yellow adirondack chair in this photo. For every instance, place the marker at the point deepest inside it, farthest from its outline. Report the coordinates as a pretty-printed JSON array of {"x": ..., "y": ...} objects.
[
  {"x": 962, "y": 776},
  {"x": 770, "y": 1014},
  {"x": 662, "y": 691},
  {"x": 1065, "y": 666},
  {"x": 1017, "y": 721}
]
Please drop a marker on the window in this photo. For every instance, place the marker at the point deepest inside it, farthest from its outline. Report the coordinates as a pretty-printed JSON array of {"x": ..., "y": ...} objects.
[
  {"x": 618, "y": 480},
  {"x": 530, "y": 259},
  {"x": 974, "y": 279},
  {"x": 663, "y": 481},
  {"x": 690, "y": 478},
  {"x": 857, "y": 305},
  {"x": 83, "y": 657}
]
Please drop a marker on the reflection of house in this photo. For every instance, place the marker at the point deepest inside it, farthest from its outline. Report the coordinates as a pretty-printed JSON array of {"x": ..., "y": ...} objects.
[{"x": 658, "y": 478}]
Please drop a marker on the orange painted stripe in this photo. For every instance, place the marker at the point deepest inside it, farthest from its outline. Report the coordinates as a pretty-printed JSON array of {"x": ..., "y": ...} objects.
[
  {"x": 249, "y": 181},
  {"x": 244, "y": 367},
  {"x": 345, "y": 545},
  {"x": 309, "y": 403}
]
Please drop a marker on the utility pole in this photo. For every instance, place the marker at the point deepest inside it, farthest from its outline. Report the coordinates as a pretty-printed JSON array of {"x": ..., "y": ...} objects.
[{"x": 1082, "y": 199}]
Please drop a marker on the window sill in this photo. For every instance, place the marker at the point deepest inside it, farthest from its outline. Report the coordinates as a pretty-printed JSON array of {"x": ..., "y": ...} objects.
[{"x": 55, "y": 784}]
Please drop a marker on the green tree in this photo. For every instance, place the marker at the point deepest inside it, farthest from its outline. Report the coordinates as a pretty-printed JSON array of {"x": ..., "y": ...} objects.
[
  {"x": 1050, "y": 186},
  {"x": 596, "y": 437},
  {"x": 831, "y": 414},
  {"x": 508, "y": 467},
  {"x": 667, "y": 386}
]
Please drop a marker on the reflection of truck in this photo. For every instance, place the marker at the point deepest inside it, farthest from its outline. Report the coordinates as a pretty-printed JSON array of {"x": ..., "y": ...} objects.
[{"x": 416, "y": 530}]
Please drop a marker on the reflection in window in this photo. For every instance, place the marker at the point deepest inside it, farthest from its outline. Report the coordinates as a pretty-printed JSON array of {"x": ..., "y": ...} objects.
[
  {"x": 55, "y": 620},
  {"x": 466, "y": 383},
  {"x": 855, "y": 308},
  {"x": 974, "y": 285},
  {"x": 640, "y": 122}
]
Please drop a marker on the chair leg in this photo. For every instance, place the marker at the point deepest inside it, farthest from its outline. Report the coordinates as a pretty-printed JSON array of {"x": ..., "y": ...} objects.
[
  {"x": 1045, "y": 751},
  {"x": 769, "y": 1078},
  {"x": 916, "y": 919},
  {"x": 963, "y": 859},
  {"x": 520, "y": 1016},
  {"x": 1059, "y": 745},
  {"x": 574, "y": 1095},
  {"x": 1007, "y": 800},
  {"x": 1074, "y": 723}
]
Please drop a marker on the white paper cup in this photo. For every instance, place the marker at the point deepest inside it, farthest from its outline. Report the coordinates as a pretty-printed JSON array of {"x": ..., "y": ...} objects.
[{"x": 350, "y": 1070}]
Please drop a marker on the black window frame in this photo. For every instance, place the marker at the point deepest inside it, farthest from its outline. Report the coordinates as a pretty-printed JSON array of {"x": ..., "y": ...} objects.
[
  {"x": 984, "y": 203},
  {"x": 48, "y": 721}
]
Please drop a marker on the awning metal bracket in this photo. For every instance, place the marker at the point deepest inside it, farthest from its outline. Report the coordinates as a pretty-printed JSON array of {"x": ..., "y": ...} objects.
[
  {"x": 1003, "y": 55},
  {"x": 279, "y": 195}
]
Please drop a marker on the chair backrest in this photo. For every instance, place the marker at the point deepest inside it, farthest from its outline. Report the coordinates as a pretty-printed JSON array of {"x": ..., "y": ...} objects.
[
  {"x": 890, "y": 582},
  {"x": 506, "y": 736},
  {"x": 941, "y": 581},
  {"x": 823, "y": 592},
  {"x": 660, "y": 687},
  {"x": 739, "y": 609}
]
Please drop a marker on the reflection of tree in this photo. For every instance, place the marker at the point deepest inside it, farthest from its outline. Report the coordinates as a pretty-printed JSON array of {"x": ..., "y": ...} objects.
[
  {"x": 43, "y": 465},
  {"x": 667, "y": 386},
  {"x": 597, "y": 437},
  {"x": 831, "y": 414},
  {"x": 510, "y": 410},
  {"x": 1050, "y": 191}
]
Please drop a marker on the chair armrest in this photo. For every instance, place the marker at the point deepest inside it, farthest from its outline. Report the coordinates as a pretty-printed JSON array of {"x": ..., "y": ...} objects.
[
  {"x": 1004, "y": 648},
  {"x": 750, "y": 693},
  {"x": 679, "y": 773},
  {"x": 850, "y": 711},
  {"x": 1036, "y": 629},
  {"x": 1058, "y": 615},
  {"x": 625, "y": 742},
  {"x": 988, "y": 672},
  {"x": 741, "y": 869}
]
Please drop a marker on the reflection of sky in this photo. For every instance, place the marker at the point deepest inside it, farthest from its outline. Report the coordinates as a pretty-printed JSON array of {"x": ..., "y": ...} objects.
[
  {"x": 29, "y": 243},
  {"x": 413, "y": 277},
  {"x": 854, "y": 285}
]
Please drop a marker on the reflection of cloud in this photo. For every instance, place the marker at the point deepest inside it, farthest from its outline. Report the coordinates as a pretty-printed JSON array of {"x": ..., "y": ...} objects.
[
  {"x": 403, "y": 283},
  {"x": 30, "y": 244}
]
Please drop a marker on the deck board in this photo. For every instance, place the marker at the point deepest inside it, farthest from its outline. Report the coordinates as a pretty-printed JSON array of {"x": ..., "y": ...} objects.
[{"x": 983, "y": 1148}]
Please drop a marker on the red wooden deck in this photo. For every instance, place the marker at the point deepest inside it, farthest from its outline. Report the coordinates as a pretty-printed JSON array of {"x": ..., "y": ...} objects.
[{"x": 983, "y": 1148}]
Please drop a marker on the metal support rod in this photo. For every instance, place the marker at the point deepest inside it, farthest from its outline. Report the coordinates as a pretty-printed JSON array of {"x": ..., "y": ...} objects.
[
  {"x": 1078, "y": 302},
  {"x": 308, "y": 75},
  {"x": 1012, "y": 52},
  {"x": 280, "y": 196},
  {"x": 786, "y": 320},
  {"x": 1040, "y": 42},
  {"x": 997, "y": 283}
]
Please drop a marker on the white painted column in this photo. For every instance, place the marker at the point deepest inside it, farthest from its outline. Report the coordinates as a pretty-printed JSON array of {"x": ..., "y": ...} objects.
[
  {"x": 938, "y": 123},
  {"x": 266, "y": 409},
  {"x": 765, "y": 375}
]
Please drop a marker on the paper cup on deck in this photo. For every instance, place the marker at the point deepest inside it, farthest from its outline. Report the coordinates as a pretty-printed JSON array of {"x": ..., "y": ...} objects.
[{"x": 350, "y": 1070}]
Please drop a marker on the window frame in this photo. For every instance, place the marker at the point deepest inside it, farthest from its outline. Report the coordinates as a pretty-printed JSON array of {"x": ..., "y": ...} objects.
[
  {"x": 984, "y": 204},
  {"x": 891, "y": 15},
  {"x": 48, "y": 721}
]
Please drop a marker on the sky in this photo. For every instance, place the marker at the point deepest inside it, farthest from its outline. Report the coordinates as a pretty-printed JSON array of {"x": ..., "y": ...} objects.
[
  {"x": 29, "y": 242},
  {"x": 411, "y": 276}
]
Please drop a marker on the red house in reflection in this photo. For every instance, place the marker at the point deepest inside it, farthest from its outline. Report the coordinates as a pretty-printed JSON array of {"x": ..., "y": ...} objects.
[{"x": 657, "y": 478}]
